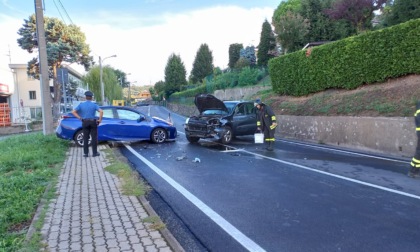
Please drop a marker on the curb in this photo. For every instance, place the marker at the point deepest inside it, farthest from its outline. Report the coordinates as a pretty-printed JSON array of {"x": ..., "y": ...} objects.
[{"x": 173, "y": 243}]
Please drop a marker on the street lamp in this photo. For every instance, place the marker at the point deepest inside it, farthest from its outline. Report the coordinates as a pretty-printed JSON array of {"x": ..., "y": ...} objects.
[{"x": 100, "y": 76}]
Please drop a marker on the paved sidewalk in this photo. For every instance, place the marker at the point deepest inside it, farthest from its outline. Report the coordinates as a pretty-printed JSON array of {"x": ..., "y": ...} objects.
[{"x": 90, "y": 214}]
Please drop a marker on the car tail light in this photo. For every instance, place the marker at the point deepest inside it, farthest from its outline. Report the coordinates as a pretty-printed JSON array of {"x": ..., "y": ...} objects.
[{"x": 65, "y": 116}]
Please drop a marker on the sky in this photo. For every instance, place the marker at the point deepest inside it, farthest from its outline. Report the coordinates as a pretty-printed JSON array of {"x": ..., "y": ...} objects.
[{"x": 142, "y": 33}]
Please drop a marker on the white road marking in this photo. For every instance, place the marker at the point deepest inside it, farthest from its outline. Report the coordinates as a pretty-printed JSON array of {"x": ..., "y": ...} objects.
[
  {"x": 335, "y": 175},
  {"x": 344, "y": 151},
  {"x": 219, "y": 220}
]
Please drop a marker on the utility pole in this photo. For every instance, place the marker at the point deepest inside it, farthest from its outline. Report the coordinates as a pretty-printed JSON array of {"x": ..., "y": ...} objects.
[{"x": 47, "y": 119}]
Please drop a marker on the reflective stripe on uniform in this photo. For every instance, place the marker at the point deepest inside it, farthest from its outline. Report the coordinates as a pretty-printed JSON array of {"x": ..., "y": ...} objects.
[
  {"x": 415, "y": 165},
  {"x": 270, "y": 139},
  {"x": 417, "y": 112},
  {"x": 258, "y": 123}
]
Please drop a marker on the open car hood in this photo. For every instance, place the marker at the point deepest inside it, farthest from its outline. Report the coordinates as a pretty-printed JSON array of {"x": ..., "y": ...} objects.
[{"x": 205, "y": 102}]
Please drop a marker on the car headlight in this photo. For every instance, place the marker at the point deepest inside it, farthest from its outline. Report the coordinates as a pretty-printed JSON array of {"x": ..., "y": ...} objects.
[{"x": 186, "y": 121}]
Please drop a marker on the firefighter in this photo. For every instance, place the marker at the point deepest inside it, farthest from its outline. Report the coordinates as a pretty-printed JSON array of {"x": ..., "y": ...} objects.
[
  {"x": 415, "y": 162},
  {"x": 266, "y": 122}
]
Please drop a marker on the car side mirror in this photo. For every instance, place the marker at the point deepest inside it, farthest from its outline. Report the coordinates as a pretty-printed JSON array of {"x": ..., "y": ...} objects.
[{"x": 141, "y": 119}]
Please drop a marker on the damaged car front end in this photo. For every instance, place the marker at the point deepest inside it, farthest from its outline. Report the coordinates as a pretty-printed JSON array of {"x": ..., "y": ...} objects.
[{"x": 217, "y": 120}]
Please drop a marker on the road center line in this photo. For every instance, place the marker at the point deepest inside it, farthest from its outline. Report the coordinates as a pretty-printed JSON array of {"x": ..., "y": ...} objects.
[
  {"x": 334, "y": 175},
  {"x": 219, "y": 220}
]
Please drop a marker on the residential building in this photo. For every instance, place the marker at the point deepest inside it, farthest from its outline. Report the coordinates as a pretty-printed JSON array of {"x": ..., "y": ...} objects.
[{"x": 24, "y": 97}]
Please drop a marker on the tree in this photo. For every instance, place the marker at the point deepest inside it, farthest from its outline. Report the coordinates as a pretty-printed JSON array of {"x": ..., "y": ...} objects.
[
  {"x": 65, "y": 43},
  {"x": 291, "y": 30},
  {"x": 249, "y": 54},
  {"x": 112, "y": 87},
  {"x": 321, "y": 26},
  {"x": 358, "y": 12},
  {"x": 175, "y": 75},
  {"x": 267, "y": 44},
  {"x": 241, "y": 63},
  {"x": 160, "y": 89},
  {"x": 203, "y": 64},
  {"x": 122, "y": 78},
  {"x": 401, "y": 11},
  {"x": 234, "y": 51},
  {"x": 290, "y": 26}
]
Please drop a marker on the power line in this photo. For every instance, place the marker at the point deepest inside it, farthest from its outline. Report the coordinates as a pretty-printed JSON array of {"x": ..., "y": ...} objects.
[
  {"x": 61, "y": 6},
  {"x": 59, "y": 12}
]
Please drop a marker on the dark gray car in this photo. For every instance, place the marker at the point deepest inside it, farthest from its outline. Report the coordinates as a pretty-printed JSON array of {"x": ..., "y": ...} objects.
[{"x": 220, "y": 120}]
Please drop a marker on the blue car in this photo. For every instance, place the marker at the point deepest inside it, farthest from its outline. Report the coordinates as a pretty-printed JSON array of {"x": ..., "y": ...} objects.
[{"x": 121, "y": 124}]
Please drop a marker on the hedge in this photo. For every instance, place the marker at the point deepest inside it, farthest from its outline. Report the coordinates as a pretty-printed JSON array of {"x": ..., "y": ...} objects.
[{"x": 349, "y": 63}]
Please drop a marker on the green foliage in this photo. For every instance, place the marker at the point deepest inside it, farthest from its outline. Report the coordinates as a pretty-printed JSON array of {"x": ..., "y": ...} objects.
[
  {"x": 203, "y": 64},
  {"x": 292, "y": 6},
  {"x": 65, "y": 43},
  {"x": 241, "y": 63},
  {"x": 175, "y": 75},
  {"x": 291, "y": 30},
  {"x": 321, "y": 27},
  {"x": 386, "y": 53},
  {"x": 248, "y": 76},
  {"x": 249, "y": 54},
  {"x": 122, "y": 78},
  {"x": 234, "y": 54},
  {"x": 25, "y": 173},
  {"x": 267, "y": 44},
  {"x": 112, "y": 88},
  {"x": 401, "y": 11}
]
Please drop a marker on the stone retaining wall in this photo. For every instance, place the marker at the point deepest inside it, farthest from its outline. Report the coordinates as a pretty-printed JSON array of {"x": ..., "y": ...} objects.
[{"x": 384, "y": 135}]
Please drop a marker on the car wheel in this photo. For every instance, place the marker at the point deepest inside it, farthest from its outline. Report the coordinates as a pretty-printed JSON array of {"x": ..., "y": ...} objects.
[
  {"x": 192, "y": 139},
  {"x": 159, "y": 135},
  {"x": 227, "y": 137},
  {"x": 78, "y": 138}
]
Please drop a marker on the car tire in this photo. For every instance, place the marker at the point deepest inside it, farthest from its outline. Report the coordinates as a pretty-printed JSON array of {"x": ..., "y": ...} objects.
[
  {"x": 158, "y": 135},
  {"x": 227, "y": 136},
  {"x": 78, "y": 138},
  {"x": 192, "y": 139}
]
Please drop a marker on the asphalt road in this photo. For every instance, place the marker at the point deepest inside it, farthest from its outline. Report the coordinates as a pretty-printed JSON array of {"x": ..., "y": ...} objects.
[{"x": 300, "y": 197}]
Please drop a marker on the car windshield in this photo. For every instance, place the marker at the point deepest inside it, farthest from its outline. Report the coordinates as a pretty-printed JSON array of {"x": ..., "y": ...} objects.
[
  {"x": 214, "y": 112},
  {"x": 230, "y": 106}
]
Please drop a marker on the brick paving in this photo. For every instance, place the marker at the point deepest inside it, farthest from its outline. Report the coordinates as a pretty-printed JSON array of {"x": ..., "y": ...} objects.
[{"x": 90, "y": 213}]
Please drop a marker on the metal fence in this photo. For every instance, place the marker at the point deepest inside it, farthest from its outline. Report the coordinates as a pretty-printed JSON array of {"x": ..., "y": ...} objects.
[{"x": 25, "y": 114}]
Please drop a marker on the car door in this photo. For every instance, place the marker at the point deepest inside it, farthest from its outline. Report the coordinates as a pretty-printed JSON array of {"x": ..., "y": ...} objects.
[
  {"x": 244, "y": 119},
  {"x": 107, "y": 129},
  {"x": 132, "y": 125}
]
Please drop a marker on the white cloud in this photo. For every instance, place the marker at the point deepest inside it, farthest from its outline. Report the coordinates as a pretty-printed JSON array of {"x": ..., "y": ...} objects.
[{"x": 143, "y": 50}]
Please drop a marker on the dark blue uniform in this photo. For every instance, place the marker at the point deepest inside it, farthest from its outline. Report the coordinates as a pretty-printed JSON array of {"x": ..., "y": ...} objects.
[
  {"x": 86, "y": 110},
  {"x": 415, "y": 162}
]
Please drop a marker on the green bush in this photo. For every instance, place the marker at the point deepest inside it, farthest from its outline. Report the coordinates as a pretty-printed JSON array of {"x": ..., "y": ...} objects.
[
  {"x": 248, "y": 76},
  {"x": 349, "y": 63}
]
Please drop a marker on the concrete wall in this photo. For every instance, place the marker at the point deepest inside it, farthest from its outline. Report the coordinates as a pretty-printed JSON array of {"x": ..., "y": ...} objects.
[
  {"x": 383, "y": 135},
  {"x": 238, "y": 93},
  {"x": 392, "y": 136}
]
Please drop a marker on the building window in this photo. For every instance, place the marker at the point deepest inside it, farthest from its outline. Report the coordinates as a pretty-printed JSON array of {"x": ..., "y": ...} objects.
[{"x": 32, "y": 95}]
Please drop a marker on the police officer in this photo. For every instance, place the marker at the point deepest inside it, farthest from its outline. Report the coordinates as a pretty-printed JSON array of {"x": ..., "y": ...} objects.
[
  {"x": 85, "y": 112},
  {"x": 266, "y": 121},
  {"x": 415, "y": 162}
]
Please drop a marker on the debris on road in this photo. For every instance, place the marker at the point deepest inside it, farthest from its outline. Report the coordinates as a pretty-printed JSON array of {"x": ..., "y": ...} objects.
[{"x": 196, "y": 160}]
